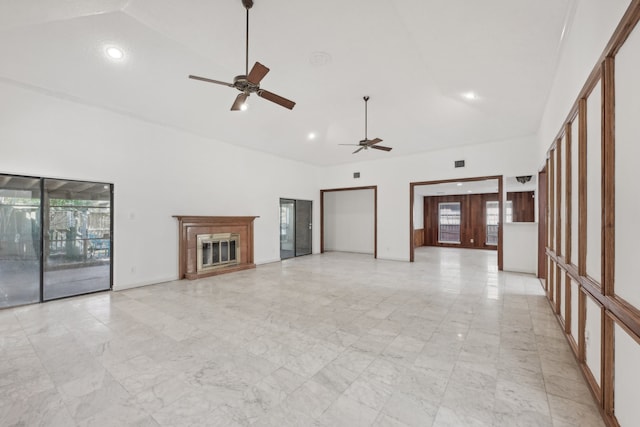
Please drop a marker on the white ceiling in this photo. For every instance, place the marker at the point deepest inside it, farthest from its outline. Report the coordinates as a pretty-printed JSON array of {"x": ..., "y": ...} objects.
[{"x": 415, "y": 58}]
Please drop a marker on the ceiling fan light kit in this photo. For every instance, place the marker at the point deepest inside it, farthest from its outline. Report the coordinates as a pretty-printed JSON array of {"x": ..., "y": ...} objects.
[
  {"x": 367, "y": 143},
  {"x": 249, "y": 82}
]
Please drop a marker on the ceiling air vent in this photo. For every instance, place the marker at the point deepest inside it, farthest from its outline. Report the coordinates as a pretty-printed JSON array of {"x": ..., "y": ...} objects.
[
  {"x": 356, "y": 174},
  {"x": 459, "y": 163}
]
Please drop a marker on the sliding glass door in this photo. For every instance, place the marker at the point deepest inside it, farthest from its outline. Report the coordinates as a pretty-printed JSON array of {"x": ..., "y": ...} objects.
[
  {"x": 295, "y": 228},
  {"x": 77, "y": 238},
  {"x": 55, "y": 239},
  {"x": 19, "y": 240}
]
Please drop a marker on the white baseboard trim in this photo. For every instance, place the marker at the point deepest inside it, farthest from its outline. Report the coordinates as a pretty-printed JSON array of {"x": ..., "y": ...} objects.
[{"x": 144, "y": 283}]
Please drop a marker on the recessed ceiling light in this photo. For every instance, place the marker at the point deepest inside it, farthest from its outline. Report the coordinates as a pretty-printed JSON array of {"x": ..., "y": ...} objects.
[
  {"x": 469, "y": 191},
  {"x": 470, "y": 96},
  {"x": 114, "y": 52},
  {"x": 459, "y": 184},
  {"x": 311, "y": 136}
]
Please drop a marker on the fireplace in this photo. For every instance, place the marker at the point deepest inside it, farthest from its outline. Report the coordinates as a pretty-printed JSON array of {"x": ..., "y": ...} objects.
[
  {"x": 211, "y": 245},
  {"x": 217, "y": 250}
]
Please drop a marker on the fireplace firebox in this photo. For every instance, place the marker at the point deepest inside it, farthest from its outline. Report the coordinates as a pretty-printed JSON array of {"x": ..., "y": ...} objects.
[{"x": 217, "y": 250}]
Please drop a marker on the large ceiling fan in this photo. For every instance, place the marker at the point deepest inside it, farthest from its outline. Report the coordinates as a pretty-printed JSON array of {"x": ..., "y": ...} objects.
[
  {"x": 367, "y": 143},
  {"x": 249, "y": 82}
]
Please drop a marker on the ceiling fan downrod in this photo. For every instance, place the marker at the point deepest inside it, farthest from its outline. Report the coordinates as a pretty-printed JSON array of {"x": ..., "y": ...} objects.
[{"x": 366, "y": 99}]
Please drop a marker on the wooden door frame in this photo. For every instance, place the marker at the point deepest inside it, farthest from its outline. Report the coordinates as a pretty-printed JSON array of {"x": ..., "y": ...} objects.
[
  {"x": 542, "y": 223},
  {"x": 375, "y": 214},
  {"x": 412, "y": 186}
]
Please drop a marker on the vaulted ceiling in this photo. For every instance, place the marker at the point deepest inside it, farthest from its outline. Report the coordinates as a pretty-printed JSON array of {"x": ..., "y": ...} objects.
[{"x": 416, "y": 59}]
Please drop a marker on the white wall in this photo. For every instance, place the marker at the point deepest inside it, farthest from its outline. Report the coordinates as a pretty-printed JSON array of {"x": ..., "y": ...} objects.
[
  {"x": 418, "y": 212},
  {"x": 393, "y": 175},
  {"x": 349, "y": 221},
  {"x": 586, "y": 36},
  {"x": 520, "y": 247},
  {"x": 157, "y": 171}
]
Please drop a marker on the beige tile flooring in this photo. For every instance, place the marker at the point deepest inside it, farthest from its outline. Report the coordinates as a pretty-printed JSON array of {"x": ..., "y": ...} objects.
[{"x": 326, "y": 340}]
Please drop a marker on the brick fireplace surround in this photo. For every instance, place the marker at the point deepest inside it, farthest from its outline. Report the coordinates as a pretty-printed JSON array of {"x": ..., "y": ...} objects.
[{"x": 189, "y": 227}]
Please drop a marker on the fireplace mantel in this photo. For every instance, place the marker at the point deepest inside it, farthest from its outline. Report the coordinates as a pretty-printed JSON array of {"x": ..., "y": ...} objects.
[{"x": 189, "y": 227}]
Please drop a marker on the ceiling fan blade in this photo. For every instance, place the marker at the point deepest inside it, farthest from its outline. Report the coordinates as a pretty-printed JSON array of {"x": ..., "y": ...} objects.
[
  {"x": 204, "y": 79},
  {"x": 276, "y": 98},
  {"x": 239, "y": 101},
  {"x": 257, "y": 73},
  {"x": 380, "y": 147},
  {"x": 373, "y": 141},
  {"x": 358, "y": 150}
]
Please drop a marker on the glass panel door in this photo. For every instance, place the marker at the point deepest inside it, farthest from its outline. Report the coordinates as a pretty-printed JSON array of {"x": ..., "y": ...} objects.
[
  {"x": 303, "y": 227},
  {"x": 77, "y": 238},
  {"x": 287, "y": 228},
  {"x": 19, "y": 240}
]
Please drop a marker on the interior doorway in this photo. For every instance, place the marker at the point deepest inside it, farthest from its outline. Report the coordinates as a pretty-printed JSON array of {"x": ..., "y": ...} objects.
[
  {"x": 447, "y": 213},
  {"x": 295, "y": 228},
  {"x": 349, "y": 220}
]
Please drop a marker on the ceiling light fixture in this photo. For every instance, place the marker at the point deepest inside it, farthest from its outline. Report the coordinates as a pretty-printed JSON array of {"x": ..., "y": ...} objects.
[
  {"x": 471, "y": 96},
  {"x": 244, "y": 106},
  {"x": 311, "y": 136},
  {"x": 114, "y": 53},
  {"x": 459, "y": 184},
  {"x": 523, "y": 179}
]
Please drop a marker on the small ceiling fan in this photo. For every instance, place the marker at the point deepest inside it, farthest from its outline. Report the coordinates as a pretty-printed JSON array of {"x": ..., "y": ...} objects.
[
  {"x": 249, "y": 82},
  {"x": 367, "y": 143}
]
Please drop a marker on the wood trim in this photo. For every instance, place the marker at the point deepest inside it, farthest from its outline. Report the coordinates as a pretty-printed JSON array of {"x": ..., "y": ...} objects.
[
  {"x": 567, "y": 303},
  {"x": 375, "y": 214},
  {"x": 558, "y": 196},
  {"x": 567, "y": 194},
  {"x": 614, "y": 304},
  {"x": 608, "y": 178},
  {"x": 542, "y": 223},
  {"x": 608, "y": 361},
  {"x": 412, "y": 186},
  {"x": 582, "y": 188},
  {"x": 412, "y": 245},
  {"x": 582, "y": 321},
  {"x": 500, "y": 225}
]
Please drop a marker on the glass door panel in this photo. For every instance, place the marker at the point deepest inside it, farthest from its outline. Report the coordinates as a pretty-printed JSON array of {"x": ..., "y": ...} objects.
[
  {"x": 77, "y": 238},
  {"x": 19, "y": 240},
  {"x": 287, "y": 228},
  {"x": 303, "y": 227}
]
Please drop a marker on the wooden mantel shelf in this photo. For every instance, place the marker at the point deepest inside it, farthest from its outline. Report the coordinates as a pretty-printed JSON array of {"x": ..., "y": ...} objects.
[{"x": 190, "y": 226}]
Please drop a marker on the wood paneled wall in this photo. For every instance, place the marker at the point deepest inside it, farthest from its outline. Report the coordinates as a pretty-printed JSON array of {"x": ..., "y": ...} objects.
[
  {"x": 418, "y": 237},
  {"x": 472, "y": 220},
  {"x": 524, "y": 205},
  {"x": 580, "y": 235}
]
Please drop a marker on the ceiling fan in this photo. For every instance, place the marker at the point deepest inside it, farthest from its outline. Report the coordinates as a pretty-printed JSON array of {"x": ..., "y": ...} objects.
[
  {"x": 367, "y": 143},
  {"x": 249, "y": 82}
]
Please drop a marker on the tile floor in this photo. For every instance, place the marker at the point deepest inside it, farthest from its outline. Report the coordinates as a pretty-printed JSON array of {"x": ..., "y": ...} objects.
[{"x": 327, "y": 340}]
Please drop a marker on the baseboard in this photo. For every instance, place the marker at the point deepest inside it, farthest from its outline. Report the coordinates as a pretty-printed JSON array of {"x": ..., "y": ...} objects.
[{"x": 145, "y": 283}]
